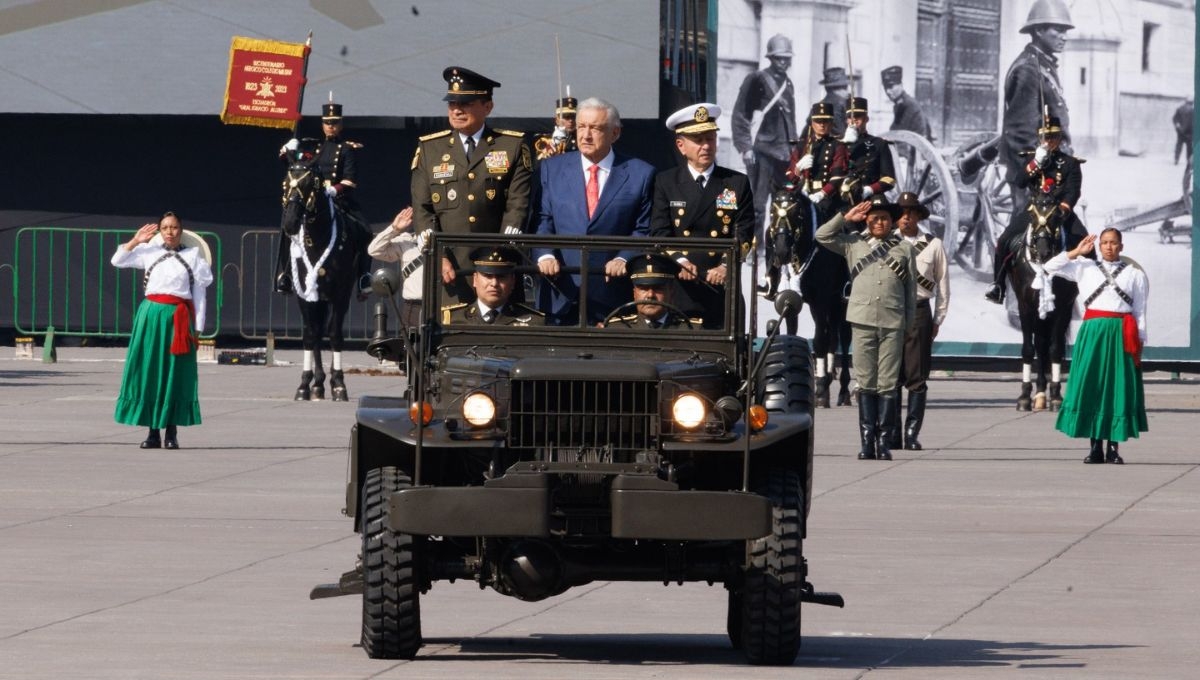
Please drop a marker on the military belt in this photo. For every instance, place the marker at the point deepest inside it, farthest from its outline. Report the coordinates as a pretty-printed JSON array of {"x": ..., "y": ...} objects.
[{"x": 1111, "y": 280}]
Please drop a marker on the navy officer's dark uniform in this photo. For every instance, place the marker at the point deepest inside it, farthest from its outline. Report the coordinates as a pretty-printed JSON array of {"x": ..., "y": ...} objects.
[
  {"x": 712, "y": 203},
  {"x": 487, "y": 192}
]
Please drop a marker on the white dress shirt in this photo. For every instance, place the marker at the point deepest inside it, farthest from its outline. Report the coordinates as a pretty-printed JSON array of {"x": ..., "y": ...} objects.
[
  {"x": 390, "y": 245},
  {"x": 605, "y": 164},
  {"x": 931, "y": 264},
  {"x": 169, "y": 277},
  {"x": 1087, "y": 274}
]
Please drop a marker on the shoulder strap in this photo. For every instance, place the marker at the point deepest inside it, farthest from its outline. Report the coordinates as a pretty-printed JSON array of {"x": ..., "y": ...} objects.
[
  {"x": 165, "y": 256},
  {"x": 1110, "y": 281},
  {"x": 877, "y": 253}
]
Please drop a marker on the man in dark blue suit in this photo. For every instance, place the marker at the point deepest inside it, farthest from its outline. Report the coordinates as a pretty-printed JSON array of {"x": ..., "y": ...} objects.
[{"x": 593, "y": 191}]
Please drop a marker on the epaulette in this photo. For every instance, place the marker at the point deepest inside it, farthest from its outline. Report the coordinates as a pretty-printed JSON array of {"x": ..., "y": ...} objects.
[
  {"x": 443, "y": 133},
  {"x": 510, "y": 133},
  {"x": 696, "y": 321},
  {"x": 353, "y": 145},
  {"x": 446, "y": 310}
]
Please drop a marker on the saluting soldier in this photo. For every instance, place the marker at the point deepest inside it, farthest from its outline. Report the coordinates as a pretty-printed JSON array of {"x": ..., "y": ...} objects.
[
  {"x": 701, "y": 199},
  {"x": 334, "y": 159},
  {"x": 562, "y": 139},
  {"x": 823, "y": 164},
  {"x": 1052, "y": 172},
  {"x": 654, "y": 277},
  {"x": 471, "y": 178},
  {"x": 493, "y": 282},
  {"x": 871, "y": 171},
  {"x": 933, "y": 284},
  {"x": 882, "y": 304}
]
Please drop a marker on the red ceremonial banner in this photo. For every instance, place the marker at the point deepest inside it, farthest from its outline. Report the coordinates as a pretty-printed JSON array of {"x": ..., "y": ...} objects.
[{"x": 266, "y": 83}]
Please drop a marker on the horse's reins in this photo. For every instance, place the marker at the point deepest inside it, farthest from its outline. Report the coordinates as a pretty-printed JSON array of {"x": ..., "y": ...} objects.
[{"x": 308, "y": 290}]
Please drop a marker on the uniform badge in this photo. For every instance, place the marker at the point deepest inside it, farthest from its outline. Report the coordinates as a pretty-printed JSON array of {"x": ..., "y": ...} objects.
[
  {"x": 491, "y": 194},
  {"x": 443, "y": 171},
  {"x": 436, "y": 197},
  {"x": 451, "y": 195},
  {"x": 678, "y": 204},
  {"x": 727, "y": 200},
  {"x": 496, "y": 162},
  {"x": 681, "y": 211},
  {"x": 445, "y": 157}
]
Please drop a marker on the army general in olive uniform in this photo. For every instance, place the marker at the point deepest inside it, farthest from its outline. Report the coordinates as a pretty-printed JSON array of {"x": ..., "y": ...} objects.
[
  {"x": 654, "y": 277},
  {"x": 882, "y": 305},
  {"x": 493, "y": 283},
  {"x": 701, "y": 199},
  {"x": 471, "y": 178}
]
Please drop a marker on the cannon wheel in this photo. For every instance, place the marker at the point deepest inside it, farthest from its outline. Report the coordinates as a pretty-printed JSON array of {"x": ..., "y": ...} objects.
[
  {"x": 989, "y": 217},
  {"x": 921, "y": 169}
]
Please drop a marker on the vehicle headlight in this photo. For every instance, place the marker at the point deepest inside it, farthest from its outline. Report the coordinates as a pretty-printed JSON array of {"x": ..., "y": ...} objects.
[
  {"x": 688, "y": 411},
  {"x": 479, "y": 410}
]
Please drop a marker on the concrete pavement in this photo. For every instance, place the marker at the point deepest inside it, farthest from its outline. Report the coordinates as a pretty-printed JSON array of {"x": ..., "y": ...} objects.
[{"x": 994, "y": 551}]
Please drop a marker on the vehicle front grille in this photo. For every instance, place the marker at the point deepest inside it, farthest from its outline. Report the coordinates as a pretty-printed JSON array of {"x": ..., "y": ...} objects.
[{"x": 584, "y": 420}]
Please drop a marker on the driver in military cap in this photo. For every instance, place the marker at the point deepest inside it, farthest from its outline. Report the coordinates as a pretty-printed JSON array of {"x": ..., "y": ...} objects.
[
  {"x": 493, "y": 281},
  {"x": 654, "y": 277},
  {"x": 471, "y": 178}
]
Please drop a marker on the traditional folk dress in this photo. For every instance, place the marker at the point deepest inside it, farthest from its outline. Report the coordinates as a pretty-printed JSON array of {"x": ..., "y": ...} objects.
[
  {"x": 159, "y": 385},
  {"x": 1105, "y": 398}
]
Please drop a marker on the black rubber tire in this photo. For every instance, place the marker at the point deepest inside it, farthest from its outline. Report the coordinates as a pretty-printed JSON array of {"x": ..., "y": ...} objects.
[
  {"x": 785, "y": 383},
  {"x": 733, "y": 619},
  {"x": 774, "y": 581},
  {"x": 391, "y": 604}
]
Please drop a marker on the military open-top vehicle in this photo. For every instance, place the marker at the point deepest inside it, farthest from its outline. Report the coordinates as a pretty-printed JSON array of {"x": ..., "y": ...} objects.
[{"x": 531, "y": 459}]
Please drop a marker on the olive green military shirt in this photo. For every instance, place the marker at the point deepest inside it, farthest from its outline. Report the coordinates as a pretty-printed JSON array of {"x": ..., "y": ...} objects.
[{"x": 884, "y": 293}]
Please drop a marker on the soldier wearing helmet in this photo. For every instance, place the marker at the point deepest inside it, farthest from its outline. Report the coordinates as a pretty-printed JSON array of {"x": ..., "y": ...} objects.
[{"x": 769, "y": 91}]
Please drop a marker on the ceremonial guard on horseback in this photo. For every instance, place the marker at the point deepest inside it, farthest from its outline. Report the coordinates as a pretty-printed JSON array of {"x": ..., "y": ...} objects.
[
  {"x": 562, "y": 139},
  {"x": 323, "y": 250}
]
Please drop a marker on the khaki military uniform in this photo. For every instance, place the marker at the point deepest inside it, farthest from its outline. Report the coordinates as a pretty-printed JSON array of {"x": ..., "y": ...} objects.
[
  {"x": 882, "y": 304},
  {"x": 671, "y": 321},
  {"x": 487, "y": 194},
  {"x": 511, "y": 314}
]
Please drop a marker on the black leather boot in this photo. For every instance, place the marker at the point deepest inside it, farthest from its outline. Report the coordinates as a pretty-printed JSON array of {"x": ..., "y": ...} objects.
[
  {"x": 1112, "y": 455},
  {"x": 153, "y": 440},
  {"x": 894, "y": 441},
  {"x": 1096, "y": 454},
  {"x": 868, "y": 419},
  {"x": 916, "y": 416},
  {"x": 171, "y": 442},
  {"x": 996, "y": 292},
  {"x": 889, "y": 422}
]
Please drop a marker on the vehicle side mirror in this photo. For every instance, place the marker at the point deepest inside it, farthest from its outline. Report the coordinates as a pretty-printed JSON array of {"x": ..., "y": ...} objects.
[{"x": 788, "y": 303}]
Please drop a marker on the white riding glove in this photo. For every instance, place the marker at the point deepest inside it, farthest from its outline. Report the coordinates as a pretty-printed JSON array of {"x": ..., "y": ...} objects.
[
  {"x": 559, "y": 136},
  {"x": 510, "y": 230},
  {"x": 331, "y": 191},
  {"x": 423, "y": 238},
  {"x": 851, "y": 135},
  {"x": 817, "y": 196},
  {"x": 868, "y": 192},
  {"x": 1041, "y": 154},
  {"x": 292, "y": 145},
  {"x": 805, "y": 162}
]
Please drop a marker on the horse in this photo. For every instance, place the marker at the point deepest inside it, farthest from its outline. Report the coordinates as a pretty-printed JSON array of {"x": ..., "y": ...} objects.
[
  {"x": 322, "y": 261},
  {"x": 820, "y": 276},
  {"x": 1044, "y": 303}
]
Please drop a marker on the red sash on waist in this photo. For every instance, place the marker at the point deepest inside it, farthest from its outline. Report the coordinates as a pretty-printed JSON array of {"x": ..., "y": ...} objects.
[
  {"x": 1129, "y": 331},
  {"x": 182, "y": 341}
]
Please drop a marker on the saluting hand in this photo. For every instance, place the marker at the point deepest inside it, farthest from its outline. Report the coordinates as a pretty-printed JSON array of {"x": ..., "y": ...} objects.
[
  {"x": 1085, "y": 246},
  {"x": 858, "y": 213},
  {"x": 143, "y": 235}
]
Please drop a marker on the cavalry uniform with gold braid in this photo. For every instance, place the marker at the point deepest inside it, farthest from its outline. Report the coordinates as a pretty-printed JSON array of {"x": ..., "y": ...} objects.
[
  {"x": 870, "y": 163},
  {"x": 561, "y": 140}
]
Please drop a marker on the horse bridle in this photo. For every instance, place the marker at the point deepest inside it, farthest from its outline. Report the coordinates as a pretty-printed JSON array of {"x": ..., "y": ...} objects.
[{"x": 1040, "y": 224}]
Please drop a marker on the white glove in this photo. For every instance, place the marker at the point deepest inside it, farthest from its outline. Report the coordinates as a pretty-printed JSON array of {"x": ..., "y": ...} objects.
[
  {"x": 1041, "y": 154},
  {"x": 817, "y": 196},
  {"x": 851, "y": 135},
  {"x": 510, "y": 230},
  {"x": 559, "y": 136},
  {"x": 805, "y": 162},
  {"x": 423, "y": 238},
  {"x": 330, "y": 191},
  {"x": 292, "y": 145},
  {"x": 868, "y": 192}
]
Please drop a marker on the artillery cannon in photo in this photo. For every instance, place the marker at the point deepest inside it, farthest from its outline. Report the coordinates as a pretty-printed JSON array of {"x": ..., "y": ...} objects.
[
  {"x": 964, "y": 189},
  {"x": 1168, "y": 214}
]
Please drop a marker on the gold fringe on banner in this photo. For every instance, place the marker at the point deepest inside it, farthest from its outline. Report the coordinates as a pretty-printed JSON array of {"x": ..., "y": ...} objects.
[{"x": 256, "y": 45}]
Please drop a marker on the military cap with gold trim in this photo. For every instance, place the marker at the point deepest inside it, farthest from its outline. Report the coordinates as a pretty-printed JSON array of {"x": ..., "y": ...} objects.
[
  {"x": 821, "y": 111},
  {"x": 651, "y": 269},
  {"x": 857, "y": 105},
  {"x": 495, "y": 260},
  {"x": 566, "y": 106},
  {"x": 1050, "y": 125},
  {"x": 331, "y": 112},
  {"x": 694, "y": 119},
  {"x": 465, "y": 85}
]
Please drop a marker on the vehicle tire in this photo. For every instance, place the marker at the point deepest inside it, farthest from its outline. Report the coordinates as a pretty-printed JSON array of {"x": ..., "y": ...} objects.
[
  {"x": 774, "y": 580},
  {"x": 391, "y": 605},
  {"x": 733, "y": 619},
  {"x": 784, "y": 384}
]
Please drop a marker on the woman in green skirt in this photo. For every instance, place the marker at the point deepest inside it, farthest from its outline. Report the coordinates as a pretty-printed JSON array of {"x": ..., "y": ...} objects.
[
  {"x": 159, "y": 386},
  {"x": 1105, "y": 400}
]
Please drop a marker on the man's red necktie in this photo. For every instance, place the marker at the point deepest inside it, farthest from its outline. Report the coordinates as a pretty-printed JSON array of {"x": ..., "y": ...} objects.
[{"x": 593, "y": 190}]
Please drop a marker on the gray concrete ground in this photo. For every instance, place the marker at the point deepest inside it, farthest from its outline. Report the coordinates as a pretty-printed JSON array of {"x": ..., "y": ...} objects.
[{"x": 994, "y": 551}]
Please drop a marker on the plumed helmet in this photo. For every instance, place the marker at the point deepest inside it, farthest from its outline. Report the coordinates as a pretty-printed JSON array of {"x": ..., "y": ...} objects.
[
  {"x": 779, "y": 46},
  {"x": 1047, "y": 12}
]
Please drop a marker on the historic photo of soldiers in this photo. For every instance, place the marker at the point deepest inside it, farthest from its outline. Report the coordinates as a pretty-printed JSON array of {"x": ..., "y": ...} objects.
[{"x": 1097, "y": 94}]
